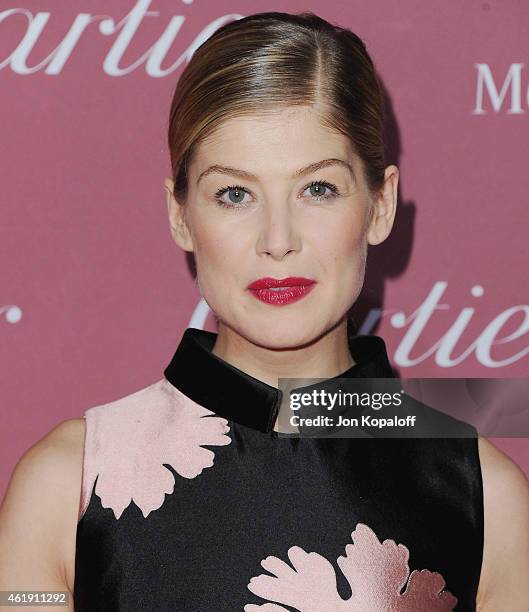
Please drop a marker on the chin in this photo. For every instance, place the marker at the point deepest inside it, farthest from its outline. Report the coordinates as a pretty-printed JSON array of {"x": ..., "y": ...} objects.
[{"x": 276, "y": 336}]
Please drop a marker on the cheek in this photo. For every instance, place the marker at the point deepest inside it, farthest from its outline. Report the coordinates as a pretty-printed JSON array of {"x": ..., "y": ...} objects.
[
  {"x": 217, "y": 254},
  {"x": 342, "y": 244}
]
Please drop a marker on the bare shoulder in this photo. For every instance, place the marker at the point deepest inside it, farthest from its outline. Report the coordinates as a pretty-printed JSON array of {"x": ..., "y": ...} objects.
[
  {"x": 57, "y": 454},
  {"x": 501, "y": 476},
  {"x": 504, "y": 582},
  {"x": 38, "y": 516}
]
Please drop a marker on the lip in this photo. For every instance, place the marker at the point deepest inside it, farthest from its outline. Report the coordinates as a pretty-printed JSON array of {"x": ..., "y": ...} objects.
[
  {"x": 290, "y": 281},
  {"x": 280, "y": 292}
]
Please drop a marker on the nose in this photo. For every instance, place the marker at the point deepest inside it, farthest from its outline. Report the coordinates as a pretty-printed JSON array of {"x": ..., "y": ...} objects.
[{"x": 278, "y": 236}]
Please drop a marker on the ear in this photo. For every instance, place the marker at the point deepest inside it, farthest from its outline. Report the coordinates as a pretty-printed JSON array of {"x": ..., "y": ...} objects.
[
  {"x": 179, "y": 230},
  {"x": 384, "y": 207}
]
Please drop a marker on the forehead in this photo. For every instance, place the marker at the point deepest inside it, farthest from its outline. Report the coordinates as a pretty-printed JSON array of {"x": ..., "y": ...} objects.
[{"x": 280, "y": 142}]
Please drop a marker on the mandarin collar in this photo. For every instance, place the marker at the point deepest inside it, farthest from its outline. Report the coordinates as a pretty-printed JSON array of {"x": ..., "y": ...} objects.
[{"x": 233, "y": 394}]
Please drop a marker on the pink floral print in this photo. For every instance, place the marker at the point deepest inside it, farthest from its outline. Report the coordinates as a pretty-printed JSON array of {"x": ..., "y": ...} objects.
[
  {"x": 128, "y": 440},
  {"x": 375, "y": 571}
]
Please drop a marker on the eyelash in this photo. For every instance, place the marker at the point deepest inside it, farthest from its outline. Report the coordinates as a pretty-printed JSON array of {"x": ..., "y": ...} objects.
[{"x": 223, "y": 190}]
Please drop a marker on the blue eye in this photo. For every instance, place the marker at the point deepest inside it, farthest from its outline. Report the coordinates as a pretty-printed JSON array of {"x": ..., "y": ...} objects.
[
  {"x": 320, "y": 190},
  {"x": 235, "y": 195}
]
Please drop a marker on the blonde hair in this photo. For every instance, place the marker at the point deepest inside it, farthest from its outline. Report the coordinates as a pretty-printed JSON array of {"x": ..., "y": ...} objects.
[{"x": 267, "y": 61}]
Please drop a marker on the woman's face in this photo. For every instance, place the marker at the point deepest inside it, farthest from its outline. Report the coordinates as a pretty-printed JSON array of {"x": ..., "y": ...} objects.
[{"x": 251, "y": 212}]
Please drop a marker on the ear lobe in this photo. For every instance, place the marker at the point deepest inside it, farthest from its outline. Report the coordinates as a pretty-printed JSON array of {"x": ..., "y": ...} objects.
[
  {"x": 177, "y": 223},
  {"x": 379, "y": 229}
]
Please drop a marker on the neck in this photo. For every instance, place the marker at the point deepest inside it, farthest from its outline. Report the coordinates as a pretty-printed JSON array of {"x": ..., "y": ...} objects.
[{"x": 326, "y": 357}]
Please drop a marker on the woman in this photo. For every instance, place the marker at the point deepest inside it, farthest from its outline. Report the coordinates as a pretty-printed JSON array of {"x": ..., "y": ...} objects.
[{"x": 182, "y": 495}]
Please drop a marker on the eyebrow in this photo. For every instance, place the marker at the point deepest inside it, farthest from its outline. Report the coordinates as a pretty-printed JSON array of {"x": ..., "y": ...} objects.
[{"x": 248, "y": 176}]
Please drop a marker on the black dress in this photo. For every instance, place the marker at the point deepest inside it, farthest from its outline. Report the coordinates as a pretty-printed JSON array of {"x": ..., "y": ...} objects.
[{"x": 192, "y": 502}]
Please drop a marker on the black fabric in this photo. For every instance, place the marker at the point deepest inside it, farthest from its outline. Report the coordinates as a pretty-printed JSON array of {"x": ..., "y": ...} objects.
[
  {"x": 266, "y": 493},
  {"x": 212, "y": 382}
]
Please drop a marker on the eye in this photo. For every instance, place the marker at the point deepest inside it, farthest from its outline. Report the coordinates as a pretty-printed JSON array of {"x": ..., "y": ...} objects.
[
  {"x": 319, "y": 190},
  {"x": 322, "y": 190},
  {"x": 235, "y": 194}
]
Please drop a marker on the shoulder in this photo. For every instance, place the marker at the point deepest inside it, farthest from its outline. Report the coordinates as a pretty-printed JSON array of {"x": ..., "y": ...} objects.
[
  {"x": 51, "y": 483},
  {"x": 38, "y": 515},
  {"x": 58, "y": 453},
  {"x": 43, "y": 465},
  {"x": 131, "y": 441},
  {"x": 503, "y": 479},
  {"x": 505, "y": 571}
]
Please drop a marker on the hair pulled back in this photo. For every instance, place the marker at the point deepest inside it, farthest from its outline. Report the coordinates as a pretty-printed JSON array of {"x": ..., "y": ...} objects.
[{"x": 268, "y": 61}]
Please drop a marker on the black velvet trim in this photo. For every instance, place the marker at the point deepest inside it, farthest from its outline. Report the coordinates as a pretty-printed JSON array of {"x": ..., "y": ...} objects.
[{"x": 235, "y": 395}]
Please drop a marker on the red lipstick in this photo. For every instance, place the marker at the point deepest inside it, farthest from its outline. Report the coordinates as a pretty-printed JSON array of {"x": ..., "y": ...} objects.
[{"x": 280, "y": 292}]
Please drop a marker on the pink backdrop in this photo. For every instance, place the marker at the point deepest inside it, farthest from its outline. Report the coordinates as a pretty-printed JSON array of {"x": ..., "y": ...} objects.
[{"x": 95, "y": 295}]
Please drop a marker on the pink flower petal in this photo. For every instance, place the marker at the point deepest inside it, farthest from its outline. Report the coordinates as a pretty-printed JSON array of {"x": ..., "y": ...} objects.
[
  {"x": 130, "y": 439},
  {"x": 375, "y": 571}
]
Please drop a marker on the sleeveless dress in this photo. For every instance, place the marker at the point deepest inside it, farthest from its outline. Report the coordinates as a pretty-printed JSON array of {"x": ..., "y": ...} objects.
[{"x": 191, "y": 502}]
